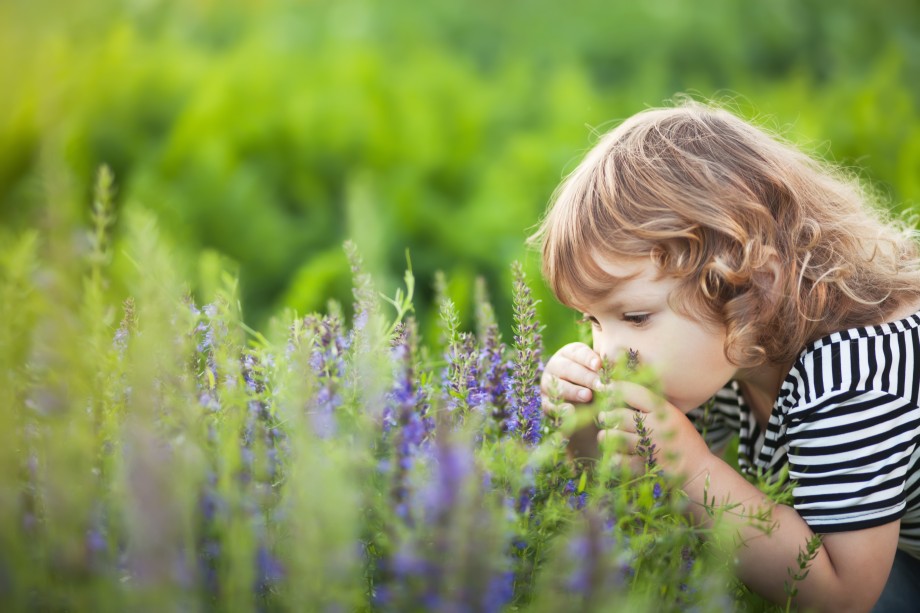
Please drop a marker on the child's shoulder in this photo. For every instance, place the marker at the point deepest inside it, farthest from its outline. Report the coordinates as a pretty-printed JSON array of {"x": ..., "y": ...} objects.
[
  {"x": 903, "y": 322},
  {"x": 875, "y": 360}
]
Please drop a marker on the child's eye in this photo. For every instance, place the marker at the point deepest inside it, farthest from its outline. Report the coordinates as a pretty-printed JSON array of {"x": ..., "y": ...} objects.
[
  {"x": 637, "y": 319},
  {"x": 587, "y": 319}
]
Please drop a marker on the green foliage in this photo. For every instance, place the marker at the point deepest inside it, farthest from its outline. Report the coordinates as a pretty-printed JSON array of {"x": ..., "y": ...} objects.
[
  {"x": 804, "y": 559},
  {"x": 269, "y": 132}
]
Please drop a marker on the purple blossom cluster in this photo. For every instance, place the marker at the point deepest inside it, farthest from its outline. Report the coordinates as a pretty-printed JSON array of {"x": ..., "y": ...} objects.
[
  {"x": 526, "y": 414},
  {"x": 406, "y": 418},
  {"x": 646, "y": 448},
  {"x": 261, "y": 440},
  {"x": 495, "y": 377},
  {"x": 207, "y": 332},
  {"x": 328, "y": 348},
  {"x": 463, "y": 389},
  {"x": 592, "y": 573},
  {"x": 444, "y": 562},
  {"x": 577, "y": 500}
]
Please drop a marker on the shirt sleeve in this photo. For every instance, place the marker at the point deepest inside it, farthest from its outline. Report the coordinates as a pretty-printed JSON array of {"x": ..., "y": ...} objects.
[
  {"x": 849, "y": 453},
  {"x": 718, "y": 420}
]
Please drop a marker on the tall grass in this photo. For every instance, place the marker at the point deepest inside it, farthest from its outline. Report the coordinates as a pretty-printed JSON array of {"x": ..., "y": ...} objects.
[{"x": 156, "y": 454}]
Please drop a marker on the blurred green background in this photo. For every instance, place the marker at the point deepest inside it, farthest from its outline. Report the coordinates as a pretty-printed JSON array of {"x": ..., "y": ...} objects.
[{"x": 264, "y": 133}]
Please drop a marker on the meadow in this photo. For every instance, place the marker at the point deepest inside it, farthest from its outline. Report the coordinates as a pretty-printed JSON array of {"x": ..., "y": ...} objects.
[{"x": 270, "y": 336}]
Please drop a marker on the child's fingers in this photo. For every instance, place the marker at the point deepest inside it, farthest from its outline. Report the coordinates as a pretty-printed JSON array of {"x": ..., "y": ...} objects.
[
  {"x": 622, "y": 420},
  {"x": 556, "y": 410},
  {"x": 636, "y": 396},
  {"x": 570, "y": 374},
  {"x": 618, "y": 441},
  {"x": 561, "y": 368},
  {"x": 581, "y": 354},
  {"x": 621, "y": 448},
  {"x": 559, "y": 388}
]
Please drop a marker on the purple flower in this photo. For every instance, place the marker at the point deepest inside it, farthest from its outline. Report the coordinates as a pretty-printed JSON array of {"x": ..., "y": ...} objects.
[
  {"x": 454, "y": 465},
  {"x": 269, "y": 570},
  {"x": 500, "y": 591},
  {"x": 589, "y": 552},
  {"x": 524, "y": 389},
  {"x": 405, "y": 418},
  {"x": 95, "y": 541},
  {"x": 576, "y": 500},
  {"x": 461, "y": 377},
  {"x": 524, "y": 499},
  {"x": 645, "y": 449},
  {"x": 209, "y": 331},
  {"x": 327, "y": 360},
  {"x": 495, "y": 379},
  {"x": 364, "y": 293},
  {"x": 525, "y": 496}
]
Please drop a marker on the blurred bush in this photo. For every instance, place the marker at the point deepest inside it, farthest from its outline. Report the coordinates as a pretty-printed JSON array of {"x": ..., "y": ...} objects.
[{"x": 262, "y": 134}]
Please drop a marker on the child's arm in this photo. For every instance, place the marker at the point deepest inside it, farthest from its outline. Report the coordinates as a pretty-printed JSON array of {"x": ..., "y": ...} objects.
[{"x": 849, "y": 571}]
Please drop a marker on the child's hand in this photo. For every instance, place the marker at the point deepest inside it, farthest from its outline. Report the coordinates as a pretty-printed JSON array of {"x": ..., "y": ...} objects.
[
  {"x": 679, "y": 447},
  {"x": 569, "y": 378}
]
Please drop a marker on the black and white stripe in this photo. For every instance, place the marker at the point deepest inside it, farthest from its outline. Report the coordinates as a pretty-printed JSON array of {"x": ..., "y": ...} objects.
[{"x": 847, "y": 423}]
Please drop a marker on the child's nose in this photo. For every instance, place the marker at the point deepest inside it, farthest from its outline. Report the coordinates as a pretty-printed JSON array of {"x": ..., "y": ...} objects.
[{"x": 608, "y": 346}]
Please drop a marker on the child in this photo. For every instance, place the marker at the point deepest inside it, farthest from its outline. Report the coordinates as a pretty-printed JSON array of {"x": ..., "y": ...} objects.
[{"x": 743, "y": 270}]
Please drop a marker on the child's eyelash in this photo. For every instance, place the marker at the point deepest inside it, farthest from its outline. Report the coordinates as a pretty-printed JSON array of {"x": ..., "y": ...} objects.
[{"x": 637, "y": 318}]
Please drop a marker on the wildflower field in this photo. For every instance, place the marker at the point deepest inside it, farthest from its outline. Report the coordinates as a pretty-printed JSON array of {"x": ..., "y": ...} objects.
[
  {"x": 211, "y": 399},
  {"x": 158, "y": 454}
]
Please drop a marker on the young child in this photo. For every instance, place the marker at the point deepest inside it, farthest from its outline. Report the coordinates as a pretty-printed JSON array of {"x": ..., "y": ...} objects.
[{"x": 744, "y": 271}]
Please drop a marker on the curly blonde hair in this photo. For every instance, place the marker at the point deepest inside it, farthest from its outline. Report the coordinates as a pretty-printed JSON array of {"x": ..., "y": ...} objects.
[{"x": 775, "y": 245}]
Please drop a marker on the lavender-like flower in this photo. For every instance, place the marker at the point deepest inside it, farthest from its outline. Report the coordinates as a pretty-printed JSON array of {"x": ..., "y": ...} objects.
[
  {"x": 453, "y": 467},
  {"x": 494, "y": 377},
  {"x": 208, "y": 332},
  {"x": 445, "y": 563},
  {"x": 589, "y": 554},
  {"x": 500, "y": 592},
  {"x": 524, "y": 500},
  {"x": 526, "y": 366},
  {"x": 412, "y": 575},
  {"x": 259, "y": 418},
  {"x": 646, "y": 449},
  {"x": 461, "y": 378},
  {"x": 327, "y": 360},
  {"x": 491, "y": 367},
  {"x": 365, "y": 295},
  {"x": 577, "y": 500},
  {"x": 632, "y": 359},
  {"x": 405, "y": 417},
  {"x": 269, "y": 570}
]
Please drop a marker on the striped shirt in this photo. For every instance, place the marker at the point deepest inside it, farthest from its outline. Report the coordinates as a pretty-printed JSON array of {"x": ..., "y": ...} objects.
[{"x": 847, "y": 425}]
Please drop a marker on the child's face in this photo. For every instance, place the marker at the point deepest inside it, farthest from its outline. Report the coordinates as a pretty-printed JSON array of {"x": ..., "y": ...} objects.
[{"x": 687, "y": 355}]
